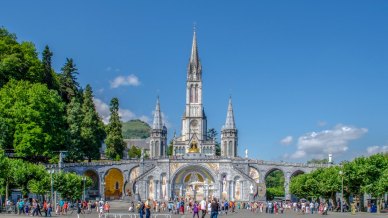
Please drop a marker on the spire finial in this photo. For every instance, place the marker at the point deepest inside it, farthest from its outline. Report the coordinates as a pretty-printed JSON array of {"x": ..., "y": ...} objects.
[{"x": 194, "y": 27}]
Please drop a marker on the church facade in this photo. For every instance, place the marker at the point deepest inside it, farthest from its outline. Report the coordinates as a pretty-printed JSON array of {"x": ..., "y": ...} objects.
[{"x": 193, "y": 171}]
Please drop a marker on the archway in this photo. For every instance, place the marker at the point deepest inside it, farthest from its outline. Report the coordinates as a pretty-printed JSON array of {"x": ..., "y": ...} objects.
[
  {"x": 274, "y": 182},
  {"x": 130, "y": 188},
  {"x": 193, "y": 182},
  {"x": 93, "y": 191},
  {"x": 114, "y": 182}
]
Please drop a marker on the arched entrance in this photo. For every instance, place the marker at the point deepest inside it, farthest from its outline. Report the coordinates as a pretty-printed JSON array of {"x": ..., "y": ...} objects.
[
  {"x": 193, "y": 182},
  {"x": 130, "y": 188},
  {"x": 92, "y": 192},
  {"x": 274, "y": 182},
  {"x": 114, "y": 182}
]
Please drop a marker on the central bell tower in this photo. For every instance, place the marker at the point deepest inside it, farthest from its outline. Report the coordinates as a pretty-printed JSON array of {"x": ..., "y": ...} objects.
[{"x": 194, "y": 123}]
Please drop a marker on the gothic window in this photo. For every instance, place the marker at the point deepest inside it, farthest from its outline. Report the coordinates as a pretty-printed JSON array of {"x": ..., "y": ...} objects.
[
  {"x": 230, "y": 148},
  {"x": 196, "y": 94},
  {"x": 191, "y": 93},
  {"x": 224, "y": 148}
]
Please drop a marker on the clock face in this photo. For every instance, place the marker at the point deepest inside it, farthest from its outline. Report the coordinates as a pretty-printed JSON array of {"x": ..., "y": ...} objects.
[{"x": 194, "y": 123}]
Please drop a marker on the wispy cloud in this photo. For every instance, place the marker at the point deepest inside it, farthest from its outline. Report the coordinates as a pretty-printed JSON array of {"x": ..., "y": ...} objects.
[
  {"x": 125, "y": 114},
  {"x": 287, "y": 140},
  {"x": 131, "y": 80},
  {"x": 377, "y": 149},
  {"x": 319, "y": 144}
]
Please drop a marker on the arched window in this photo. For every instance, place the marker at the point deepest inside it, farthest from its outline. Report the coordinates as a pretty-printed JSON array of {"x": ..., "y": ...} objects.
[
  {"x": 230, "y": 148},
  {"x": 196, "y": 94}
]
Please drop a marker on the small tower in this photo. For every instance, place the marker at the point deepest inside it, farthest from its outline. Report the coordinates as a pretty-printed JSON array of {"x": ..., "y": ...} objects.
[
  {"x": 229, "y": 134},
  {"x": 158, "y": 138}
]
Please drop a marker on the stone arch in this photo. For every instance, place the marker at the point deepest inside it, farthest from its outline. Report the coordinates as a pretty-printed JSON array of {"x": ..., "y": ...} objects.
[
  {"x": 114, "y": 182},
  {"x": 237, "y": 186},
  {"x": 151, "y": 187},
  {"x": 271, "y": 185},
  {"x": 129, "y": 186},
  {"x": 93, "y": 190},
  {"x": 183, "y": 184},
  {"x": 297, "y": 173}
]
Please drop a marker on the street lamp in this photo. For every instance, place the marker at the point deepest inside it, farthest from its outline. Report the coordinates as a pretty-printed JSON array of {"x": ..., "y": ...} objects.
[
  {"x": 52, "y": 171},
  {"x": 84, "y": 180},
  {"x": 342, "y": 189}
]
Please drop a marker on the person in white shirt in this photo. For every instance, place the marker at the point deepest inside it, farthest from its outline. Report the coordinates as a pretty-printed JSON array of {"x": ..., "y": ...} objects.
[{"x": 203, "y": 207}]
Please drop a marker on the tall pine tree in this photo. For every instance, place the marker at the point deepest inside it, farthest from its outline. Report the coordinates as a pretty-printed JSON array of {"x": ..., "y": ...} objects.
[
  {"x": 48, "y": 77},
  {"x": 115, "y": 144},
  {"x": 69, "y": 86},
  {"x": 74, "y": 121},
  {"x": 92, "y": 128}
]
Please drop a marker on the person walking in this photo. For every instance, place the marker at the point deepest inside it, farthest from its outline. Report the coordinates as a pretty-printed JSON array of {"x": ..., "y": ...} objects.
[
  {"x": 141, "y": 209},
  {"x": 79, "y": 204},
  {"x": 195, "y": 210},
  {"x": 215, "y": 206},
  {"x": 147, "y": 205},
  {"x": 203, "y": 208}
]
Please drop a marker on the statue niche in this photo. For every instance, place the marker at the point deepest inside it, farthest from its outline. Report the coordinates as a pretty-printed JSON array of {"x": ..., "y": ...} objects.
[{"x": 194, "y": 147}]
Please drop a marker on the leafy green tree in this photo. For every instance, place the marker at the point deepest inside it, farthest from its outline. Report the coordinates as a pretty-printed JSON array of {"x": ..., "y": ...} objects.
[
  {"x": 34, "y": 120},
  {"x": 170, "y": 149},
  {"x": 114, "y": 141},
  {"x": 70, "y": 185},
  {"x": 69, "y": 86},
  {"x": 74, "y": 120},
  {"x": 298, "y": 186},
  {"x": 92, "y": 128},
  {"x": 18, "y": 60},
  {"x": 212, "y": 134},
  {"x": 318, "y": 161},
  {"x": 134, "y": 152},
  {"x": 275, "y": 184}
]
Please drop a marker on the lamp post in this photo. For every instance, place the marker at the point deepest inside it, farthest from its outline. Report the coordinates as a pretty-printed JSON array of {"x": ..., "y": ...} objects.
[
  {"x": 342, "y": 189},
  {"x": 51, "y": 171},
  {"x": 84, "y": 180}
]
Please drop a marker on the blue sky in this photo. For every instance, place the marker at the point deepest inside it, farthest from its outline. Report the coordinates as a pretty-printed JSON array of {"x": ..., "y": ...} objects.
[{"x": 306, "y": 77}]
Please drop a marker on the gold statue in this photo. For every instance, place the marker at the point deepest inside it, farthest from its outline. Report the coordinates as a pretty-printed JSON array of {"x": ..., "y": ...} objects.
[{"x": 193, "y": 147}]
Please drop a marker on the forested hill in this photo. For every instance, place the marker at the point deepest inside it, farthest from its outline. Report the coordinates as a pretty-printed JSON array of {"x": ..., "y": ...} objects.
[{"x": 136, "y": 129}]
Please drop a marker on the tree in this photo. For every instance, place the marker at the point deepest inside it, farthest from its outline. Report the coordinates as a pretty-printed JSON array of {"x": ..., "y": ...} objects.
[
  {"x": 318, "y": 161},
  {"x": 48, "y": 73},
  {"x": 34, "y": 120},
  {"x": 114, "y": 140},
  {"x": 18, "y": 61},
  {"x": 134, "y": 152},
  {"x": 212, "y": 134},
  {"x": 275, "y": 184},
  {"x": 69, "y": 86},
  {"x": 70, "y": 185},
  {"x": 92, "y": 128},
  {"x": 74, "y": 120},
  {"x": 170, "y": 149}
]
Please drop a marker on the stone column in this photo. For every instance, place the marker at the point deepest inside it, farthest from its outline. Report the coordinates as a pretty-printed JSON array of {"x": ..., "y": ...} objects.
[
  {"x": 287, "y": 186},
  {"x": 233, "y": 190},
  {"x": 156, "y": 185},
  {"x": 147, "y": 189},
  {"x": 242, "y": 184},
  {"x": 230, "y": 191}
]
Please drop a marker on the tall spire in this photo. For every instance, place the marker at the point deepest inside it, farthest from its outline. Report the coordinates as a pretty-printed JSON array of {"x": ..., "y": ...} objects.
[
  {"x": 229, "y": 123},
  {"x": 194, "y": 69},
  {"x": 194, "y": 49},
  {"x": 158, "y": 123}
]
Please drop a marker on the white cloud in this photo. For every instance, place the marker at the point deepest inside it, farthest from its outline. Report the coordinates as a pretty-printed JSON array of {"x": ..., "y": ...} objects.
[
  {"x": 334, "y": 141},
  {"x": 287, "y": 140},
  {"x": 102, "y": 109},
  {"x": 125, "y": 114},
  {"x": 377, "y": 149},
  {"x": 131, "y": 80}
]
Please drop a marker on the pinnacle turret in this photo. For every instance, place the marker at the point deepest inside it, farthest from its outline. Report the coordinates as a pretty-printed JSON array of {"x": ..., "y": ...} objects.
[
  {"x": 229, "y": 123},
  {"x": 158, "y": 122}
]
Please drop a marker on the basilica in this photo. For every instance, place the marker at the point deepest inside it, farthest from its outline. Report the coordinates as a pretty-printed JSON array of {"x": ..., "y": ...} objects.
[{"x": 193, "y": 171}]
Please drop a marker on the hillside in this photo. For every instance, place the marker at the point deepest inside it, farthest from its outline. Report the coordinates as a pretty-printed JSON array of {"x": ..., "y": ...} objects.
[{"x": 136, "y": 129}]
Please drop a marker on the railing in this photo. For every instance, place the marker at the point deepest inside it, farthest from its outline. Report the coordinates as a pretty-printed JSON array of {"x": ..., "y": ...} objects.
[{"x": 134, "y": 215}]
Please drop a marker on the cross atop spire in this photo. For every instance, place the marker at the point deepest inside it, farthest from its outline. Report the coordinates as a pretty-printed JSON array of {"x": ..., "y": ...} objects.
[
  {"x": 158, "y": 123},
  {"x": 229, "y": 123}
]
